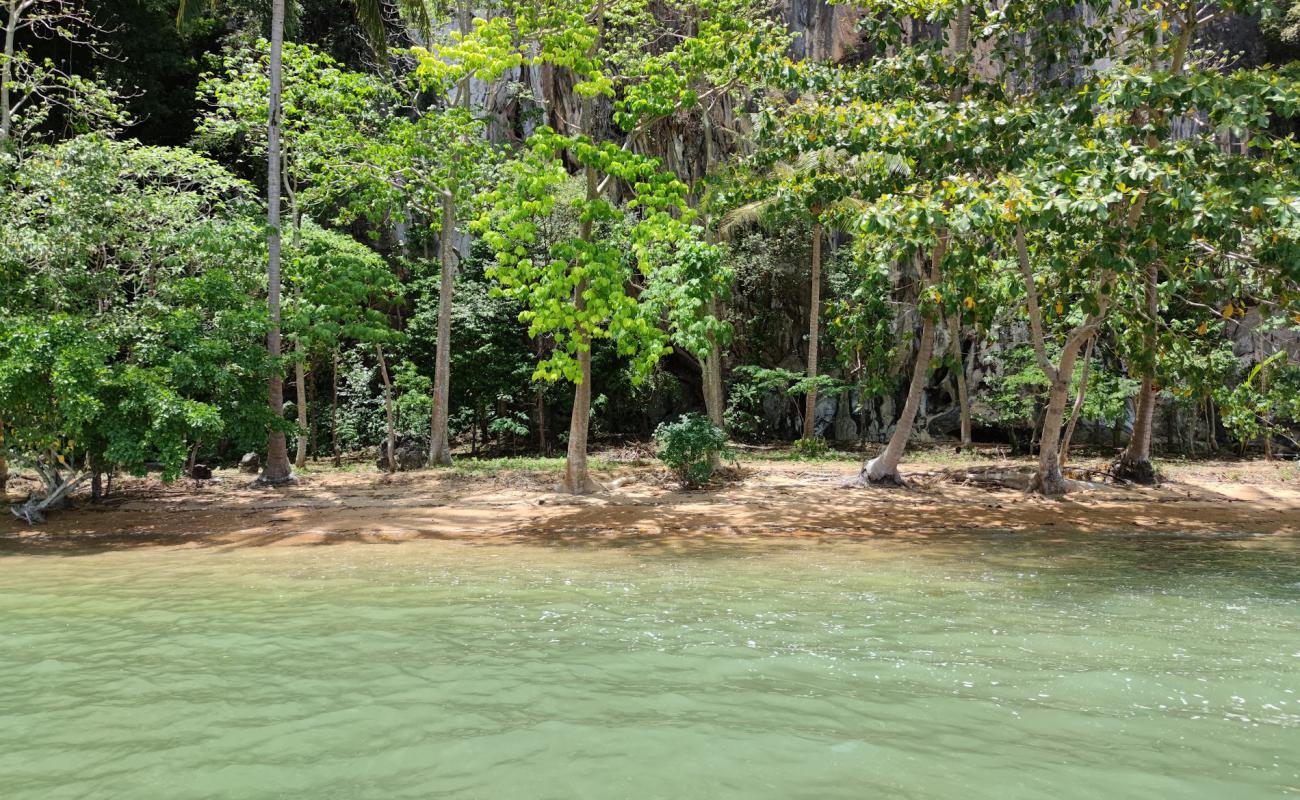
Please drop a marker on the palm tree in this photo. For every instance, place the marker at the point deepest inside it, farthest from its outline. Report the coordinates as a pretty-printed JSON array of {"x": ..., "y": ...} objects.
[
  {"x": 808, "y": 164},
  {"x": 277, "y": 469}
]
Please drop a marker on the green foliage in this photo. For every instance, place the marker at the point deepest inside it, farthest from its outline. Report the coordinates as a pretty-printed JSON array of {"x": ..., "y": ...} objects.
[
  {"x": 654, "y": 245},
  {"x": 129, "y": 329},
  {"x": 812, "y": 449},
  {"x": 1266, "y": 403},
  {"x": 688, "y": 446}
]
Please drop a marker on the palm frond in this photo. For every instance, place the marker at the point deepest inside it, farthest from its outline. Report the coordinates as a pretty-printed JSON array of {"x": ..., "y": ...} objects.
[
  {"x": 743, "y": 216},
  {"x": 374, "y": 17}
]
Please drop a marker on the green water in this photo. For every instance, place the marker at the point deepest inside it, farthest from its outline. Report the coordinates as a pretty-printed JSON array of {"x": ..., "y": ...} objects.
[{"x": 992, "y": 666}]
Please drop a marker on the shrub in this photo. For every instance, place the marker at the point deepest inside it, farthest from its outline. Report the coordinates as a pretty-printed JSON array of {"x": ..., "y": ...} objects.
[
  {"x": 810, "y": 448},
  {"x": 687, "y": 446}
]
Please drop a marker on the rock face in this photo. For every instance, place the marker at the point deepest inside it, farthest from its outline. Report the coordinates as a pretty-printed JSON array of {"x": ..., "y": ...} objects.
[
  {"x": 250, "y": 464},
  {"x": 411, "y": 454}
]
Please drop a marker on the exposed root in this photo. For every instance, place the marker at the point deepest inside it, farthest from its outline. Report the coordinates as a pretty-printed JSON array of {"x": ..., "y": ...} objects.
[
  {"x": 264, "y": 482},
  {"x": 864, "y": 480},
  {"x": 589, "y": 486}
]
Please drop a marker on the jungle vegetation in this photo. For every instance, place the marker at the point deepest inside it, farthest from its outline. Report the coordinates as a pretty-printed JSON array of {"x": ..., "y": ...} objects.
[{"x": 433, "y": 229}]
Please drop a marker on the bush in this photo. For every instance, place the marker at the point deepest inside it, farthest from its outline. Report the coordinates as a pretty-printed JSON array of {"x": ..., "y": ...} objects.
[
  {"x": 687, "y": 446},
  {"x": 810, "y": 448}
]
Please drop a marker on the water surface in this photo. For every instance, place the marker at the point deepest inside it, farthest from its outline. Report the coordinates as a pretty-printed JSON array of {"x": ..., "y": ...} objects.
[{"x": 991, "y": 666}]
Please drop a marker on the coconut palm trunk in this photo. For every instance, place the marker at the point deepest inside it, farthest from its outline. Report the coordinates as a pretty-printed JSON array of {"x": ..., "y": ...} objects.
[{"x": 277, "y": 469}]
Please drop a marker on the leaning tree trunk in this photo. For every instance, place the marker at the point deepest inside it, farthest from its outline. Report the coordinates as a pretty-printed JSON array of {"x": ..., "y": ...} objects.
[
  {"x": 58, "y": 487},
  {"x": 439, "y": 450},
  {"x": 1135, "y": 463},
  {"x": 963, "y": 392},
  {"x": 277, "y": 469},
  {"x": 883, "y": 469},
  {"x": 390, "y": 458},
  {"x": 814, "y": 324},
  {"x": 1080, "y": 396}
]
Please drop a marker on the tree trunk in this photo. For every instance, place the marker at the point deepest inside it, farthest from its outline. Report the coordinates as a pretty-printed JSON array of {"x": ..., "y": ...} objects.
[
  {"x": 7, "y": 75},
  {"x": 963, "y": 393},
  {"x": 814, "y": 325},
  {"x": 277, "y": 469},
  {"x": 1079, "y": 397},
  {"x": 1135, "y": 463},
  {"x": 883, "y": 469},
  {"x": 300, "y": 380},
  {"x": 539, "y": 399},
  {"x": 1049, "y": 480},
  {"x": 4, "y": 463},
  {"x": 1138, "y": 451},
  {"x": 711, "y": 364},
  {"x": 334, "y": 411},
  {"x": 299, "y": 352},
  {"x": 714, "y": 401},
  {"x": 390, "y": 459},
  {"x": 439, "y": 451},
  {"x": 576, "y": 478}
]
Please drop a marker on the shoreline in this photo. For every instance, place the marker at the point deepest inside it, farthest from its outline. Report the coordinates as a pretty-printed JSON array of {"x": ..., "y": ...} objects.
[{"x": 771, "y": 500}]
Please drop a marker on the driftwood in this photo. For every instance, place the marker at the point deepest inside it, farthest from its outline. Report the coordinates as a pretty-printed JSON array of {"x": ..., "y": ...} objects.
[{"x": 57, "y": 489}]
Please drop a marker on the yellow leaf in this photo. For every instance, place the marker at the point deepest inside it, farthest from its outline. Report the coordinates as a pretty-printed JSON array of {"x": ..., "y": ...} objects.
[
  {"x": 970, "y": 302},
  {"x": 1060, "y": 308},
  {"x": 1227, "y": 312},
  {"x": 1202, "y": 329}
]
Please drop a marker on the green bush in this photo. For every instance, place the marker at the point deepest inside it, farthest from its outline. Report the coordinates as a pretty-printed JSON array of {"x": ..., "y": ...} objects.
[
  {"x": 687, "y": 447},
  {"x": 810, "y": 448}
]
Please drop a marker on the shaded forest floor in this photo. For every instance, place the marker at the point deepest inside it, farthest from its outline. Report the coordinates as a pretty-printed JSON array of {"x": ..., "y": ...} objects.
[{"x": 516, "y": 501}]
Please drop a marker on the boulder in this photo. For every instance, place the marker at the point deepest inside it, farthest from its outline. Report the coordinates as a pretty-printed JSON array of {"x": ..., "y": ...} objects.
[
  {"x": 412, "y": 453},
  {"x": 251, "y": 463}
]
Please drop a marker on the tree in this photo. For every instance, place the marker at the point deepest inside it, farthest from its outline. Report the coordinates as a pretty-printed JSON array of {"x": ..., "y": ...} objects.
[
  {"x": 328, "y": 112},
  {"x": 586, "y": 287},
  {"x": 32, "y": 89},
  {"x": 127, "y": 335},
  {"x": 582, "y": 291}
]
